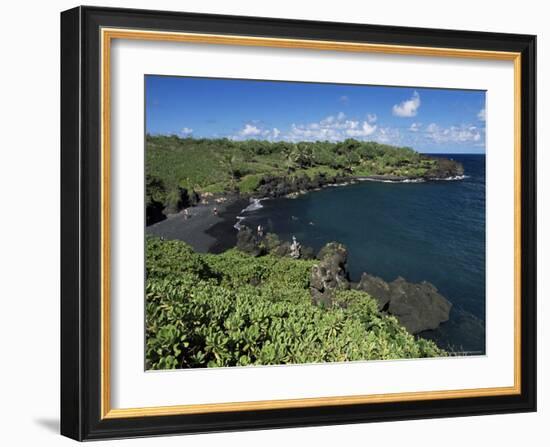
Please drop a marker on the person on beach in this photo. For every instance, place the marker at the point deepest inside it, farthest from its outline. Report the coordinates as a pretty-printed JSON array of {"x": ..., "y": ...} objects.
[
  {"x": 215, "y": 211},
  {"x": 260, "y": 231},
  {"x": 185, "y": 214}
]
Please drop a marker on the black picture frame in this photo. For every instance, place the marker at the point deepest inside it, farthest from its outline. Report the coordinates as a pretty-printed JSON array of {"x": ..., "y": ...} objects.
[{"x": 81, "y": 223}]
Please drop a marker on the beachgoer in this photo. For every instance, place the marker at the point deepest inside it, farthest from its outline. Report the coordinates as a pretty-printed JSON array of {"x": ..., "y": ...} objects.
[
  {"x": 260, "y": 231},
  {"x": 215, "y": 211}
]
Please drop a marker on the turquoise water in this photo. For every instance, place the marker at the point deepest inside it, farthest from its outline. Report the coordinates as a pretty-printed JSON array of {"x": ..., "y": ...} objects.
[{"x": 433, "y": 231}]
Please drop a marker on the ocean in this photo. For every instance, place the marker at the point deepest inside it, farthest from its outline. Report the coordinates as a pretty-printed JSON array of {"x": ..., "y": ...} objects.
[{"x": 431, "y": 231}]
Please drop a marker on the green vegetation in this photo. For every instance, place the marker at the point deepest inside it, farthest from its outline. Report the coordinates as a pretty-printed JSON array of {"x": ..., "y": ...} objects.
[
  {"x": 222, "y": 165},
  {"x": 231, "y": 309}
]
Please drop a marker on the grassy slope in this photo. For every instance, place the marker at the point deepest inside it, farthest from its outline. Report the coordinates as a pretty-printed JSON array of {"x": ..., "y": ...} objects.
[{"x": 236, "y": 310}]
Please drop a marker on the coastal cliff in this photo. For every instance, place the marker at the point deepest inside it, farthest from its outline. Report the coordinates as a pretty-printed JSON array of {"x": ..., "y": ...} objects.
[
  {"x": 258, "y": 170},
  {"x": 180, "y": 171},
  {"x": 233, "y": 309},
  {"x": 417, "y": 306}
]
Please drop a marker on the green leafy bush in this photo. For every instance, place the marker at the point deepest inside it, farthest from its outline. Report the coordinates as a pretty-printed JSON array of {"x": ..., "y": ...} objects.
[
  {"x": 221, "y": 165},
  {"x": 235, "y": 310}
]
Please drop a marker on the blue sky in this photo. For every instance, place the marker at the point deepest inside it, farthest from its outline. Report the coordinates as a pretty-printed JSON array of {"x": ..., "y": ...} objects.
[{"x": 429, "y": 120}]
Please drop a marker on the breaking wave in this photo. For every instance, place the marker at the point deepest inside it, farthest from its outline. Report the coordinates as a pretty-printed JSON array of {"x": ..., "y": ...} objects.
[{"x": 255, "y": 204}]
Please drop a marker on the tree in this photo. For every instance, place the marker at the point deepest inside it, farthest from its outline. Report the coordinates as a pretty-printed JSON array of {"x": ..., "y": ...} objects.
[
  {"x": 303, "y": 155},
  {"x": 228, "y": 160},
  {"x": 352, "y": 159},
  {"x": 287, "y": 152}
]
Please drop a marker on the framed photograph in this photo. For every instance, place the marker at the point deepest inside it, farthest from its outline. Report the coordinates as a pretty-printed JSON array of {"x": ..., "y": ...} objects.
[{"x": 276, "y": 223}]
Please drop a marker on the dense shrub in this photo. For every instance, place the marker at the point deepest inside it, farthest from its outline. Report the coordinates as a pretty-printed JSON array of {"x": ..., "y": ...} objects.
[
  {"x": 221, "y": 165},
  {"x": 232, "y": 309}
]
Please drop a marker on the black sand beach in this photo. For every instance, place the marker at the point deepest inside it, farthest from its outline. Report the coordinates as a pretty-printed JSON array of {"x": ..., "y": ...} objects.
[{"x": 204, "y": 230}]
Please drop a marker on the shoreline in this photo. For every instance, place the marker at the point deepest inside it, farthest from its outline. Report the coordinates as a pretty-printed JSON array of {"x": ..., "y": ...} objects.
[
  {"x": 403, "y": 179},
  {"x": 203, "y": 230},
  {"x": 207, "y": 232}
]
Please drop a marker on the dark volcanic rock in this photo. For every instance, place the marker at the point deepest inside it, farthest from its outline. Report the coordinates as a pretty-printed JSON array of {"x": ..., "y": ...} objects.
[
  {"x": 193, "y": 198},
  {"x": 377, "y": 288},
  {"x": 445, "y": 168},
  {"x": 183, "y": 198},
  {"x": 418, "y": 307},
  {"x": 273, "y": 186},
  {"x": 248, "y": 242},
  {"x": 335, "y": 253},
  {"x": 282, "y": 250},
  {"x": 329, "y": 275},
  {"x": 153, "y": 212}
]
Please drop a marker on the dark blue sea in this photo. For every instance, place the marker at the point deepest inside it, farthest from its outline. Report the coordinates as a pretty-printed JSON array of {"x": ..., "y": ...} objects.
[{"x": 432, "y": 231}]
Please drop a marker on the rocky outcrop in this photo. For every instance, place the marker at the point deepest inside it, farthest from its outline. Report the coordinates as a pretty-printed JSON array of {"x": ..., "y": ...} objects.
[
  {"x": 248, "y": 242},
  {"x": 179, "y": 199},
  {"x": 254, "y": 244},
  {"x": 153, "y": 212},
  {"x": 441, "y": 169},
  {"x": 444, "y": 169},
  {"x": 273, "y": 186},
  {"x": 418, "y": 307},
  {"x": 161, "y": 202},
  {"x": 377, "y": 288},
  {"x": 329, "y": 275}
]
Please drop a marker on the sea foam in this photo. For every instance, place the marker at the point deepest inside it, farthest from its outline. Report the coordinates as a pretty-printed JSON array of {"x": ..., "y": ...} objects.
[
  {"x": 255, "y": 204},
  {"x": 237, "y": 225}
]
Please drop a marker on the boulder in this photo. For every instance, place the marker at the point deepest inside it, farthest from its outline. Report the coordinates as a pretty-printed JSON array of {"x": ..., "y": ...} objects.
[
  {"x": 271, "y": 242},
  {"x": 248, "y": 242},
  {"x": 418, "y": 307},
  {"x": 377, "y": 288},
  {"x": 330, "y": 274},
  {"x": 282, "y": 250},
  {"x": 334, "y": 252}
]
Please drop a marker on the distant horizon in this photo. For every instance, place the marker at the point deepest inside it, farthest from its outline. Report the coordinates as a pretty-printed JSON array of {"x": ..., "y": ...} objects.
[{"x": 430, "y": 121}]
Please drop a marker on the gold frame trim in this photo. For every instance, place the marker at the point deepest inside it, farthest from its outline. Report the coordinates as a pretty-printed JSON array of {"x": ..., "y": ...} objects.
[{"x": 107, "y": 35}]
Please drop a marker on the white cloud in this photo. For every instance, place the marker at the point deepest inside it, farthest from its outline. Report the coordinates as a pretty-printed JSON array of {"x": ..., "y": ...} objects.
[
  {"x": 455, "y": 134},
  {"x": 432, "y": 128},
  {"x": 357, "y": 130},
  {"x": 481, "y": 115},
  {"x": 332, "y": 128},
  {"x": 388, "y": 135},
  {"x": 250, "y": 130},
  {"x": 186, "y": 131},
  {"x": 409, "y": 107},
  {"x": 337, "y": 127},
  {"x": 415, "y": 127},
  {"x": 255, "y": 131}
]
